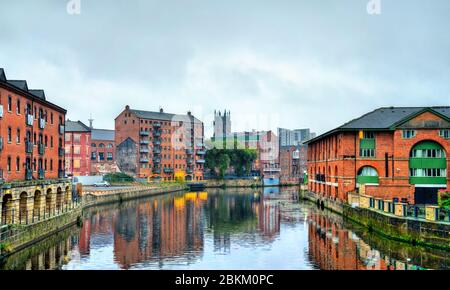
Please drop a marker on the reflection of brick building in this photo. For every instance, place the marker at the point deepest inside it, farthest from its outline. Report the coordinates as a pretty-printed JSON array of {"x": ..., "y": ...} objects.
[
  {"x": 78, "y": 149},
  {"x": 388, "y": 153},
  {"x": 333, "y": 248},
  {"x": 293, "y": 163}
]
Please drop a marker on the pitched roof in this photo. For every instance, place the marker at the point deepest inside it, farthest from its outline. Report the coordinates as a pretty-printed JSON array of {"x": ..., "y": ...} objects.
[
  {"x": 162, "y": 116},
  {"x": 78, "y": 126},
  {"x": 2, "y": 75},
  {"x": 385, "y": 119},
  {"x": 38, "y": 93},
  {"x": 102, "y": 134},
  {"x": 19, "y": 84}
]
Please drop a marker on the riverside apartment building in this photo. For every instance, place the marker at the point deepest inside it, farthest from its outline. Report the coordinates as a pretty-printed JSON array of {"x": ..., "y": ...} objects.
[
  {"x": 396, "y": 153},
  {"x": 159, "y": 145}
]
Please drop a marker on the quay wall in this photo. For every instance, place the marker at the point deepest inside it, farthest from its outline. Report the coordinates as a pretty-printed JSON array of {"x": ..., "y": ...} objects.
[
  {"x": 413, "y": 231},
  {"x": 234, "y": 183}
]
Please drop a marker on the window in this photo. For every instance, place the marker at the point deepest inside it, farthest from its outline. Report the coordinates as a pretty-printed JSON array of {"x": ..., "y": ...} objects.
[
  {"x": 51, "y": 164},
  {"x": 18, "y": 136},
  {"x": 18, "y": 107},
  {"x": 51, "y": 141},
  {"x": 110, "y": 145},
  {"x": 51, "y": 118},
  {"x": 76, "y": 150},
  {"x": 18, "y": 164},
  {"x": 428, "y": 172},
  {"x": 408, "y": 134},
  {"x": 93, "y": 145},
  {"x": 94, "y": 156},
  {"x": 9, "y": 104},
  {"x": 367, "y": 152},
  {"x": 428, "y": 153},
  {"x": 369, "y": 135},
  {"x": 101, "y": 145},
  {"x": 444, "y": 134},
  {"x": 67, "y": 137},
  {"x": 101, "y": 156},
  {"x": 110, "y": 156},
  {"x": 8, "y": 164},
  {"x": 76, "y": 138},
  {"x": 76, "y": 164},
  {"x": 9, "y": 135}
]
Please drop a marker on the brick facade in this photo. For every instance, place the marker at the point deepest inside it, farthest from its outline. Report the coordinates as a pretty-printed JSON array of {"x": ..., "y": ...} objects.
[
  {"x": 78, "y": 149},
  {"x": 169, "y": 146},
  {"x": 293, "y": 163},
  {"x": 335, "y": 161},
  {"x": 31, "y": 133},
  {"x": 103, "y": 152}
]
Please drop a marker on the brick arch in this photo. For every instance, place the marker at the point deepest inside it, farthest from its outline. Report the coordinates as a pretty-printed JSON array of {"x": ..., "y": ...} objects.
[{"x": 428, "y": 140}]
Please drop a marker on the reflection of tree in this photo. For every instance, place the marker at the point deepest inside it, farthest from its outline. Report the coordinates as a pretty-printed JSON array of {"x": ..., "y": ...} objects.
[{"x": 232, "y": 213}]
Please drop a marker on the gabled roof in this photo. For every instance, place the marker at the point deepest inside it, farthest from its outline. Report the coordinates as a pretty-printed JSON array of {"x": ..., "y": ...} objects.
[
  {"x": 2, "y": 75},
  {"x": 38, "y": 93},
  {"x": 102, "y": 134},
  {"x": 19, "y": 84},
  {"x": 387, "y": 118},
  {"x": 162, "y": 116},
  {"x": 78, "y": 126}
]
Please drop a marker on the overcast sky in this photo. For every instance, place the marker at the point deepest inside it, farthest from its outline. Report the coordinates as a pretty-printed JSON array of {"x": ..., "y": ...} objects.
[{"x": 293, "y": 64}]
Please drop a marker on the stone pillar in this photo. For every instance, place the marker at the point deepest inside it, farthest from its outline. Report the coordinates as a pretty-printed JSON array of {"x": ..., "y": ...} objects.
[
  {"x": 40, "y": 207},
  {"x": 387, "y": 205},
  {"x": 15, "y": 204},
  {"x": 51, "y": 253},
  {"x": 28, "y": 265},
  {"x": 30, "y": 208},
  {"x": 431, "y": 213},
  {"x": 364, "y": 201},
  {"x": 40, "y": 260},
  {"x": 400, "y": 209}
]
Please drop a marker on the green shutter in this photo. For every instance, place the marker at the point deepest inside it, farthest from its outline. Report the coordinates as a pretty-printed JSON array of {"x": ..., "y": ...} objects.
[
  {"x": 423, "y": 163},
  {"x": 367, "y": 144},
  {"x": 367, "y": 179}
]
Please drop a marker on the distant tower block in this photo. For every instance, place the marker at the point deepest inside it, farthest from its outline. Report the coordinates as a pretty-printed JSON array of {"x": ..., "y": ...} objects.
[{"x": 222, "y": 124}]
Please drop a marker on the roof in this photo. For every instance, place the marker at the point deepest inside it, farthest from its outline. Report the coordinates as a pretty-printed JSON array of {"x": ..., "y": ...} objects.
[
  {"x": 78, "y": 126},
  {"x": 386, "y": 118},
  {"x": 21, "y": 87},
  {"x": 103, "y": 134},
  {"x": 19, "y": 84},
  {"x": 162, "y": 116},
  {"x": 38, "y": 93}
]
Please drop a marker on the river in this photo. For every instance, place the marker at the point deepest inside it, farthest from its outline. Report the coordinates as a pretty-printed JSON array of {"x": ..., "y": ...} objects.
[{"x": 221, "y": 229}]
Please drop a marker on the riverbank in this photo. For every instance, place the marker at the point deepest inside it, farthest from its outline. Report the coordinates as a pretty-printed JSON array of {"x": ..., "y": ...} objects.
[
  {"x": 412, "y": 231},
  {"x": 18, "y": 237}
]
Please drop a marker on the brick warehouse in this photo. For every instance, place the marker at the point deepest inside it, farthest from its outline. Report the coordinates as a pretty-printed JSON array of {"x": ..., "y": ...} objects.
[
  {"x": 78, "y": 149},
  {"x": 159, "y": 145},
  {"x": 390, "y": 153},
  {"x": 31, "y": 153},
  {"x": 32, "y": 133},
  {"x": 103, "y": 152}
]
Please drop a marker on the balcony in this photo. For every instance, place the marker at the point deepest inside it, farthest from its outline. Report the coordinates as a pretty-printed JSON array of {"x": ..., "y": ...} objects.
[
  {"x": 41, "y": 174},
  {"x": 144, "y": 142},
  {"x": 144, "y": 150},
  {"x": 201, "y": 152},
  {"x": 189, "y": 160},
  {"x": 156, "y": 160},
  {"x": 144, "y": 160},
  {"x": 201, "y": 161},
  {"x": 189, "y": 171},
  {"x": 144, "y": 133},
  {"x": 156, "y": 170},
  {"x": 157, "y": 133},
  {"x": 41, "y": 149},
  {"x": 61, "y": 152},
  {"x": 157, "y": 142},
  {"x": 1, "y": 111},
  {"x": 41, "y": 123},
  {"x": 62, "y": 128},
  {"x": 157, "y": 125},
  {"x": 156, "y": 151},
  {"x": 189, "y": 151},
  {"x": 28, "y": 174},
  {"x": 168, "y": 170},
  {"x": 201, "y": 145},
  {"x": 61, "y": 174},
  {"x": 29, "y": 120},
  {"x": 28, "y": 147}
]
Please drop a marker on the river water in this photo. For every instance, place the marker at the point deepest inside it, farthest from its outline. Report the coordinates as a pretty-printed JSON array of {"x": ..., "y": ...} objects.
[{"x": 221, "y": 229}]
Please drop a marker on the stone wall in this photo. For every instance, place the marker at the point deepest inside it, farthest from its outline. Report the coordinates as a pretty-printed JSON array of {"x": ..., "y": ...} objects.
[
  {"x": 420, "y": 232},
  {"x": 233, "y": 183}
]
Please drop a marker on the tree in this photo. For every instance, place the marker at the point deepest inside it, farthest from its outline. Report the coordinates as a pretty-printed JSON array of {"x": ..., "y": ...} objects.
[{"x": 223, "y": 164}]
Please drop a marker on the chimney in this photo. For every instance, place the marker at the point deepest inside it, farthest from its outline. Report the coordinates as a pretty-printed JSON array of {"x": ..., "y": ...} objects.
[
  {"x": 189, "y": 113},
  {"x": 161, "y": 110},
  {"x": 127, "y": 107}
]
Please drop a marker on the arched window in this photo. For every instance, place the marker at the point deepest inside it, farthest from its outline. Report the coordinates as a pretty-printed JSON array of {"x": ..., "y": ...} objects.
[
  {"x": 428, "y": 165},
  {"x": 101, "y": 145},
  {"x": 93, "y": 145},
  {"x": 110, "y": 145},
  {"x": 367, "y": 175}
]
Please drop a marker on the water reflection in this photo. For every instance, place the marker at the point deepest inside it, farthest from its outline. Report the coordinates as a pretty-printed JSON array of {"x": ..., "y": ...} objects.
[{"x": 220, "y": 229}]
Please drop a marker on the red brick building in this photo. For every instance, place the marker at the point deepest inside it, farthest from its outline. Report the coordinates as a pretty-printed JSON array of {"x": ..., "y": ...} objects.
[
  {"x": 103, "y": 152},
  {"x": 32, "y": 133},
  {"x": 293, "y": 163},
  {"x": 159, "y": 145},
  {"x": 78, "y": 149},
  {"x": 390, "y": 153}
]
